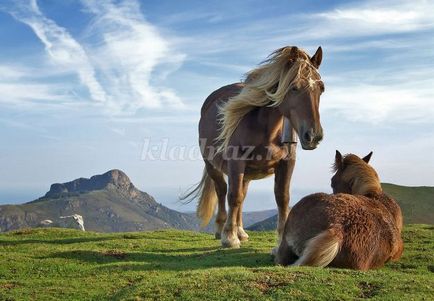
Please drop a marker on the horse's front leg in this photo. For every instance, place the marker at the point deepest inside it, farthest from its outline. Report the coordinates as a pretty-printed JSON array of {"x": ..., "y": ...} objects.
[
  {"x": 282, "y": 180},
  {"x": 242, "y": 235},
  {"x": 235, "y": 198}
]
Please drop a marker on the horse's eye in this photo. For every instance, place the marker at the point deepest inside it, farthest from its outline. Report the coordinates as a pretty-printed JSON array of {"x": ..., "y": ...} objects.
[{"x": 294, "y": 89}]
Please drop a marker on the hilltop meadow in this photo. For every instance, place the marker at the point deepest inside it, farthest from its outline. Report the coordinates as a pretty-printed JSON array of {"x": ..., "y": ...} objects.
[{"x": 65, "y": 264}]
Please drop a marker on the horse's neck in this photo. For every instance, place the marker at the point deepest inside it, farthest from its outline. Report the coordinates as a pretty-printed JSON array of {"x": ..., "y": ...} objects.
[{"x": 270, "y": 119}]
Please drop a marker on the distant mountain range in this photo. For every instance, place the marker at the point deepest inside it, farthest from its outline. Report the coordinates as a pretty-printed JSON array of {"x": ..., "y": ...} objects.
[
  {"x": 107, "y": 203},
  {"x": 111, "y": 203},
  {"x": 417, "y": 205}
]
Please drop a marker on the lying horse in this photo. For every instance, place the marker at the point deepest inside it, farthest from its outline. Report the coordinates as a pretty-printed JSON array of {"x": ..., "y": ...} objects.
[{"x": 357, "y": 227}]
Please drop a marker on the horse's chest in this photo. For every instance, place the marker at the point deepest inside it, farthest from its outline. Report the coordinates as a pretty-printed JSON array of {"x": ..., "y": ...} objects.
[{"x": 263, "y": 160}]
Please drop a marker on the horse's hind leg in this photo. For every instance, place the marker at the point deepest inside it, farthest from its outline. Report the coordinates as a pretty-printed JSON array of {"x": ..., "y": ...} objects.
[
  {"x": 284, "y": 255},
  {"x": 242, "y": 235},
  {"x": 221, "y": 190}
]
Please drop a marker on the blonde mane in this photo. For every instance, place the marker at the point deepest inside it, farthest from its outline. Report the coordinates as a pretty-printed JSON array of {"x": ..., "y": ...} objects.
[
  {"x": 266, "y": 85},
  {"x": 363, "y": 177}
]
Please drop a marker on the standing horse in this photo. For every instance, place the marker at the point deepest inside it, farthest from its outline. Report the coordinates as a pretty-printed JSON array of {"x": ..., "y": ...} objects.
[
  {"x": 240, "y": 134},
  {"x": 357, "y": 227}
]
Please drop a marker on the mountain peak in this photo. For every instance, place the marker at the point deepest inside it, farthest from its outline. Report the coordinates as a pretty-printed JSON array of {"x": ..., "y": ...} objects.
[{"x": 114, "y": 178}]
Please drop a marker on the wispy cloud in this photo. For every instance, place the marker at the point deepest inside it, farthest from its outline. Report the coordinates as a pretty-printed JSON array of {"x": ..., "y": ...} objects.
[
  {"x": 15, "y": 92},
  {"x": 374, "y": 18},
  {"x": 118, "y": 64},
  {"x": 62, "y": 48},
  {"x": 379, "y": 103},
  {"x": 128, "y": 52}
]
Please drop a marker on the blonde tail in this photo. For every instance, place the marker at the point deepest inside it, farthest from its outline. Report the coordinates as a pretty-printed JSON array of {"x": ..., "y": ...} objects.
[
  {"x": 207, "y": 195},
  {"x": 321, "y": 249}
]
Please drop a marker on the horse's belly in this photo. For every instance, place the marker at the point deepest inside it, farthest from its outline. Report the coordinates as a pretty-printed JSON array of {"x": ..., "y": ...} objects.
[
  {"x": 257, "y": 175},
  {"x": 260, "y": 170}
]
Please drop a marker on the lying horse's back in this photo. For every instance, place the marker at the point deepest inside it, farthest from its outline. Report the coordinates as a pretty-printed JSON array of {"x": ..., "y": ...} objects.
[
  {"x": 362, "y": 226},
  {"x": 358, "y": 229}
]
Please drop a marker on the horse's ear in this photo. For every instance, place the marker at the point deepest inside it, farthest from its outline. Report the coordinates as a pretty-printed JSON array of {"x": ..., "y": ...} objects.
[
  {"x": 339, "y": 161},
  {"x": 367, "y": 157},
  {"x": 294, "y": 53},
  {"x": 317, "y": 57}
]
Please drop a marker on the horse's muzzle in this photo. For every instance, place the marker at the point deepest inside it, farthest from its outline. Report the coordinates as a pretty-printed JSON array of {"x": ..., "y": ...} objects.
[{"x": 310, "y": 139}]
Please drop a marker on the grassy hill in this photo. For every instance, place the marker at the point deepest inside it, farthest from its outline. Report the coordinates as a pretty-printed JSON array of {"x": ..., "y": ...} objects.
[
  {"x": 417, "y": 205},
  {"x": 54, "y": 264}
]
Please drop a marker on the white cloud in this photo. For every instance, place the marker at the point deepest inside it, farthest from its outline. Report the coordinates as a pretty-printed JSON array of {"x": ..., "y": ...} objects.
[
  {"x": 15, "y": 92},
  {"x": 62, "y": 48},
  {"x": 11, "y": 72},
  {"x": 378, "y": 103},
  {"x": 367, "y": 19},
  {"x": 128, "y": 52},
  {"x": 120, "y": 70}
]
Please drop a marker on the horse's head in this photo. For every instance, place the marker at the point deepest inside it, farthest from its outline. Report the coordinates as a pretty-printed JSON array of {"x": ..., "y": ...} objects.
[
  {"x": 302, "y": 95},
  {"x": 354, "y": 175}
]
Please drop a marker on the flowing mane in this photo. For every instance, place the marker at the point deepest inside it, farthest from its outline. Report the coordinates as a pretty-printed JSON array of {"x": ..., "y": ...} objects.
[
  {"x": 266, "y": 85},
  {"x": 364, "y": 178}
]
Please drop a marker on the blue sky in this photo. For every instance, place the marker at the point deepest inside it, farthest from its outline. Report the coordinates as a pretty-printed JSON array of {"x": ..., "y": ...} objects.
[{"x": 85, "y": 85}]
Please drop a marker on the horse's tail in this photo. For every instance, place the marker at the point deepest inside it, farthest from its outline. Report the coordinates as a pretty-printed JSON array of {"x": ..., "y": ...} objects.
[
  {"x": 207, "y": 195},
  {"x": 321, "y": 249}
]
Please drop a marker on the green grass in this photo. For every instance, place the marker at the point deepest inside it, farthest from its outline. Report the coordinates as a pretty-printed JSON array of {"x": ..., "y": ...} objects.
[{"x": 60, "y": 264}]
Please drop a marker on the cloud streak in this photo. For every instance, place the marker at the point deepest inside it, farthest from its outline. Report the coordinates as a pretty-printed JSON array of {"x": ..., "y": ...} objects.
[
  {"x": 128, "y": 52},
  {"x": 119, "y": 66},
  {"x": 373, "y": 18},
  {"x": 62, "y": 48}
]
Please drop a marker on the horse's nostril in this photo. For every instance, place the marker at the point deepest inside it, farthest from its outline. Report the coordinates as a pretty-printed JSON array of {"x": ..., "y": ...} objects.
[{"x": 308, "y": 136}]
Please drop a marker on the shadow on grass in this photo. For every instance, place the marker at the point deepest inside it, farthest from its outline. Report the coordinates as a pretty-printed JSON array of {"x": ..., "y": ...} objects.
[
  {"x": 203, "y": 258},
  {"x": 73, "y": 240}
]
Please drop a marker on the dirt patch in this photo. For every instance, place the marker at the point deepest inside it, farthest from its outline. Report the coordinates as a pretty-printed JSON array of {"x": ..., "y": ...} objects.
[
  {"x": 406, "y": 266},
  {"x": 270, "y": 281},
  {"x": 115, "y": 253},
  {"x": 368, "y": 290},
  {"x": 24, "y": 231},
  {"x": 131, "y": 236},
  {"x": 8, "y": 286}
]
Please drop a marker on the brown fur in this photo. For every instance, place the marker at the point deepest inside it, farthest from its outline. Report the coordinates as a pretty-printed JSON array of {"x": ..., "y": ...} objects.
[
  {"x": 365, "y": 229},
  {"x": 232, "y": 124}
]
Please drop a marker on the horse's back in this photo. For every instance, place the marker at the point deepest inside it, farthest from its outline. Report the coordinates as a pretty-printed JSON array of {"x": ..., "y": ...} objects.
[
  {"x": 209, "y": 124},
  {"x": 220, "y": 96}
]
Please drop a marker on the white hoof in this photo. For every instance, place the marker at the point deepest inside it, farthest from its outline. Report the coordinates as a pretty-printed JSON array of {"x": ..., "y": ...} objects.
[
  {"x": 230, "y": 241},
  {"x": 242, "y": 235}
]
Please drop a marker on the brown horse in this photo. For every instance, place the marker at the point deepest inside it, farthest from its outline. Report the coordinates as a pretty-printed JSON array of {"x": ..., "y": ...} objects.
[
  {"x": 357, "y": 227},
  {"x": 240, "y": 134}
]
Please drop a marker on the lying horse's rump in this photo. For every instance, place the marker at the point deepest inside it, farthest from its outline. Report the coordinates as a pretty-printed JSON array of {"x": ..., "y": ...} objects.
[{"x": 344, "y": 230}]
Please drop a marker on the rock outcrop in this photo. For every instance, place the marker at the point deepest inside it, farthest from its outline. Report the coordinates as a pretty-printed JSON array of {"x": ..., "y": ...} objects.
[{"x": 107, "y": 203}]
